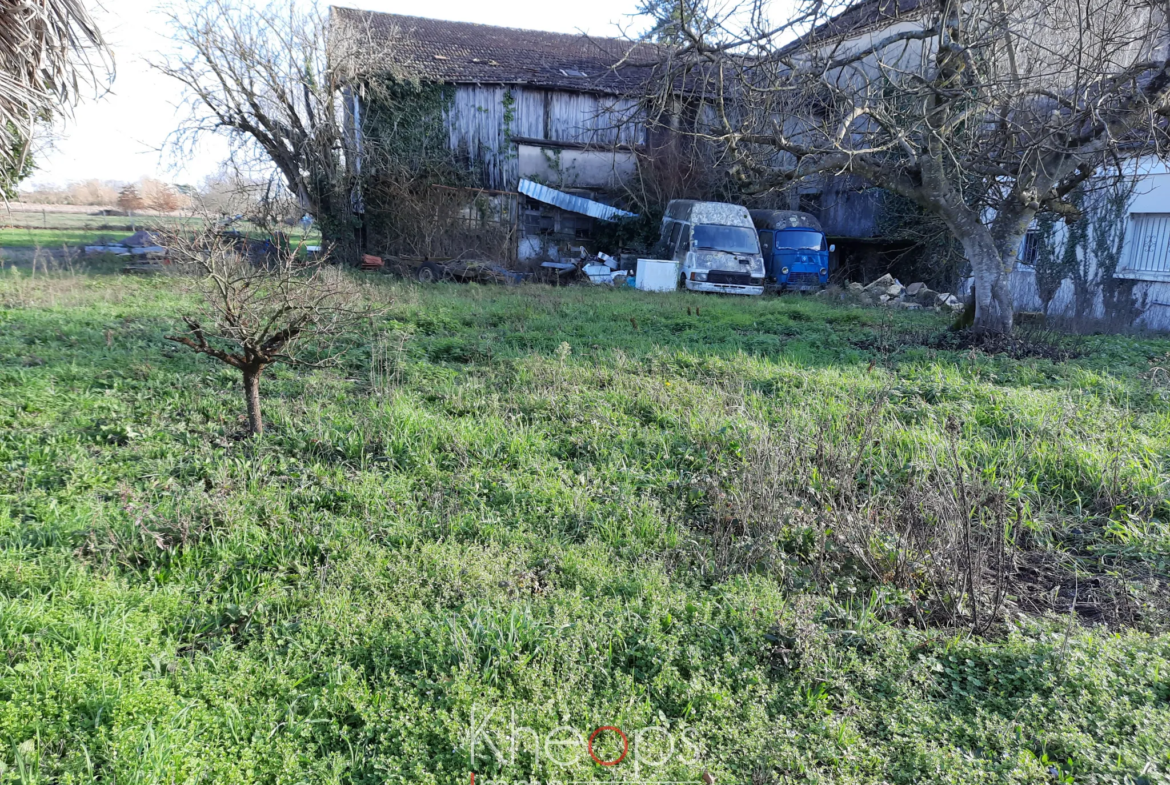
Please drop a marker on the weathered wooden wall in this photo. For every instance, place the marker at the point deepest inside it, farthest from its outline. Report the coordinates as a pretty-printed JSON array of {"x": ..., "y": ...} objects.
[
  {"x": 848, "y": 208},
  {"x": 482, "y": 119}
]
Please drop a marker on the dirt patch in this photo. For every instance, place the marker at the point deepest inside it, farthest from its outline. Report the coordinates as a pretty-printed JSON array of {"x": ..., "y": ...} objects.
[
  {"x": 1041, "y": 582},
  {"x": 1025, "y": 343}
]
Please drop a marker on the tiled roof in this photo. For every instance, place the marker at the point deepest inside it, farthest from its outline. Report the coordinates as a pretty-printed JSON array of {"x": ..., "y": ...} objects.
[
  {"x": 866, "y": 15},
  {"x": 433, "y": 50}
]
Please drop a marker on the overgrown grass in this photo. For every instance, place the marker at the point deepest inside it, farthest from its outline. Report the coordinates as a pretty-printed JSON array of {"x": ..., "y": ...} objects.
[{"x": 764, "y": 525}]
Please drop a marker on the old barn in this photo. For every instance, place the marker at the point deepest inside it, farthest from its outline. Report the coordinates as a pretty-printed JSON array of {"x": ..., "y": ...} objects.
[{"x": 557, "y": 110}]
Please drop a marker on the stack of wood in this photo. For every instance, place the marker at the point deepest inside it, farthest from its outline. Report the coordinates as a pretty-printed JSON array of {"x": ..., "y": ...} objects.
[{"x": 371, "y": 263}]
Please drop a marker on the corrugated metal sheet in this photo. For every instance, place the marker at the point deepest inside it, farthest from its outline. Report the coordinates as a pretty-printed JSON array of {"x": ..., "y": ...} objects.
[{"x": 574, "y": 204}]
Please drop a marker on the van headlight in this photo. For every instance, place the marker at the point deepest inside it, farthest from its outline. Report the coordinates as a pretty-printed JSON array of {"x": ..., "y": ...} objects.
[
  {"x": 698, "y": 276},
  {"x": 824, "y": 272},
  {"x": 784, "y": 271}
]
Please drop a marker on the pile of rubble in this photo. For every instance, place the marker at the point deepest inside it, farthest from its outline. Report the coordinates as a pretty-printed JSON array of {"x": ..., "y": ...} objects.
[{"x": 889, "y": 291}]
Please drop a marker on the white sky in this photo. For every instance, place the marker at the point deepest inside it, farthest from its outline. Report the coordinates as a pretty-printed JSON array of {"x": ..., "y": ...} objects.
[{"x": 121, "y": 136}]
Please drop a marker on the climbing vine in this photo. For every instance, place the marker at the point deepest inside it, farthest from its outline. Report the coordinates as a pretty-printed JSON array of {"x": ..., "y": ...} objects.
[
  {"x": 411, "y": 179},
  {"x": 1086, "y": 253},
  {"x": 508, "y": 102}
]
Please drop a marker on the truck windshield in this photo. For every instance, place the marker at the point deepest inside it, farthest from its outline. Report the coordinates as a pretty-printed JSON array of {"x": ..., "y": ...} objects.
[
  {"x": 800, "y": 239},
  {"x": 731, "y": 239}
]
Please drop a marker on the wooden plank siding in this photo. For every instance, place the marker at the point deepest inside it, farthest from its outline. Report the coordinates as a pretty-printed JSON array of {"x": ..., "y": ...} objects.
[{"x": 483, "y": 119}]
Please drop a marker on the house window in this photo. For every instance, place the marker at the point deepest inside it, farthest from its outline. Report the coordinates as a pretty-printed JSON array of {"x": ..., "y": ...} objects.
[
  {"x": 1030, "y": 249},
  {"x": 1147, "y": 249}
]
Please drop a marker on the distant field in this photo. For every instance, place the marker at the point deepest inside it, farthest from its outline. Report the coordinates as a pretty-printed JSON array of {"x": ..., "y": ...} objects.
[
  {"x": 55, "y": 238},
  {"x": 53, "y": 226},
  {"x": 72, "y": 217},
  {"x": 65, "y": 229}
]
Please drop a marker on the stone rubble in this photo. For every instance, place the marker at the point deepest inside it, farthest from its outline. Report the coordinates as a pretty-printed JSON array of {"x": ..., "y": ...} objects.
[{"x": 888, "y": 291}]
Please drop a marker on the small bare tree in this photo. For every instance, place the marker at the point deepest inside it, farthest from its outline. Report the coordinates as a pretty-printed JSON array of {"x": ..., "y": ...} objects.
[
  {"x": 984, "y": 113},
  {"x": 260, "y": 311}
]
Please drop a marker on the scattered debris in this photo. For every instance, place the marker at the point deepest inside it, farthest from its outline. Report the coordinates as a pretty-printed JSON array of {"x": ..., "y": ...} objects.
[
  {"x": 881, "y": 284},
  {"x": 141, "y": 243},
  {"x": 603, "y": 274},
  {"x": 460, "y": 270},
  {"x": 600, "y": 269},
  {"x": 924, "y": 297},
  {"x": 889, "y": 291}
]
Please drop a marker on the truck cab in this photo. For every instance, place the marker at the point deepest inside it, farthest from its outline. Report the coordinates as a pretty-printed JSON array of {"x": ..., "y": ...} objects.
[
  {"x": 794, "y": 249},
  {"x": 716, "y": 246}
]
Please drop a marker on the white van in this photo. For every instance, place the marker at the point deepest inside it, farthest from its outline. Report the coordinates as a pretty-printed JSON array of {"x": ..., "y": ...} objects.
[{"x": 715, "y": 244}]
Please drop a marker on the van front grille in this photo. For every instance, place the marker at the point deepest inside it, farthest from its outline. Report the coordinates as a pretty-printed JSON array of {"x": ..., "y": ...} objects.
[
  {"x": 804, "y": 279},
  {"x": 739, "y": 279}
]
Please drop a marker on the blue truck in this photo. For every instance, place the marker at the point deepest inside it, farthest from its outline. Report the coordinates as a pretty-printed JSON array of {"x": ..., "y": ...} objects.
[{"x": 796, "y": 252}]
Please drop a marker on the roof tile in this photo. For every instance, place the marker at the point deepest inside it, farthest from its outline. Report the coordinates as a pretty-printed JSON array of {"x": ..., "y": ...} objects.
[{"x": 460, "y": 52}]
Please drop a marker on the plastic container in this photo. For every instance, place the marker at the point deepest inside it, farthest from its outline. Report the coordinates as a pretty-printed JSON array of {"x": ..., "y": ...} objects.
[{"x": 657, "y": 275}]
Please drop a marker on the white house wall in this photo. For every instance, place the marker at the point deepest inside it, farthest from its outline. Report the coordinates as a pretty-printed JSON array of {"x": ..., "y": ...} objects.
[
  {"x": 565, "y": 168},
  {"x": 1152, "y": 195}
]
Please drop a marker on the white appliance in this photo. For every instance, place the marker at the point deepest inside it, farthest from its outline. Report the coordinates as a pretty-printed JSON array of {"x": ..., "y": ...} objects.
[{"x": 657, "y": 275}]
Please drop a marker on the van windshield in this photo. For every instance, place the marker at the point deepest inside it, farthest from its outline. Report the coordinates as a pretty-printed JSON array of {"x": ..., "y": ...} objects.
[
  {"x": 731, "y": 239},
  {"x": 799, "y": 239}
]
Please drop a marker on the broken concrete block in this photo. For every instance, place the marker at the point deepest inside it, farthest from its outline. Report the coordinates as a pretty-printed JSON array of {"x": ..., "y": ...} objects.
[
  {"x": 913, "y": 289},
  {"x": 924, "y": 296},
  {"x": 883, "y": 283}
]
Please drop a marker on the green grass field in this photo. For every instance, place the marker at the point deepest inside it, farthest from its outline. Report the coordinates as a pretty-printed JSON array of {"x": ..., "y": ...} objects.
[
  {"x": 56, "y": 238},
  {"x": 754, "y": 534},
  {"x": 25, "y": 230},
  {"x": 56, "y": 229}
]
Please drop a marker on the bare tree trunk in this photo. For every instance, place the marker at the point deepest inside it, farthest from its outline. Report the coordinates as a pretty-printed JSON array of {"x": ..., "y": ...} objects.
[
  {"x": 252, "y": 396},
  {"x": 993, "y": 296}
]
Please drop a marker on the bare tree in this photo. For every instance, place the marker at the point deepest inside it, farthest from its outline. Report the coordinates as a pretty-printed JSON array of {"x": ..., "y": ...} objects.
[
  {"x": 984, "y": 113},
  {"x": 257, "y": 312},
  {"x": 48, "y": 49},
  {"x": 272, "y": 78}
]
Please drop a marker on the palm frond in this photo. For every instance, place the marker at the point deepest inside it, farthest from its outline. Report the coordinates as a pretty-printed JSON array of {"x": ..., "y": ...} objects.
[{"x": 49, "y": 50}]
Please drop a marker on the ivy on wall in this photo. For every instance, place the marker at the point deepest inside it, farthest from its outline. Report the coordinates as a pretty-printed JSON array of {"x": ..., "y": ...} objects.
[
  {"x": 404, "y": 132},
  {"x": 1087, "y": 253},
  {"x": 419, "y": 194}
]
